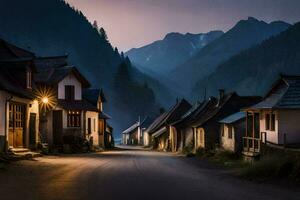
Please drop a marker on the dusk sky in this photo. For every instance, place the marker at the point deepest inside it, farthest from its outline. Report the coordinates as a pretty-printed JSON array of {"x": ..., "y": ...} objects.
[{"x": 134, "y": 23}]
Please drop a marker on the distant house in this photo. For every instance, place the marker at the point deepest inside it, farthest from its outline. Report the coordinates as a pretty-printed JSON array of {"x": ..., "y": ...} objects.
[
  {"x": 101, "y": 132},
  {"x": 19, "y": 110},
  {"x": 71, "y": 118},
  {"x": 134, "y": 134},
  {"x": 161, "y": 129},
  {"x": 233, "y": 128},
  {"x": 207, "y": 128},
  {"x": 275, "y": 120}
]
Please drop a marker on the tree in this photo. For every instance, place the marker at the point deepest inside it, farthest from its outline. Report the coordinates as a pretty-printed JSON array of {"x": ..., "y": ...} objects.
[
  {"x": 95, "y": 25},
  {"x": 103, "y": 34}
]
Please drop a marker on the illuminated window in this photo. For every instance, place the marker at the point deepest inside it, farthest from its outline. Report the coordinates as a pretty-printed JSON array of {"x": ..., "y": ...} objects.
[{"x": 74, "y": 118}]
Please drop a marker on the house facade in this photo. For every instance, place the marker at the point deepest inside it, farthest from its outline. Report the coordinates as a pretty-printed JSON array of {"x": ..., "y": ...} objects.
[
  {"x": 275, "y": 120},
  {"x": 19, "y": 117},
  {"x": 102, "y": 135},
  {"x": 232, "y": 131},
  {"x": 207, "y": 128}
]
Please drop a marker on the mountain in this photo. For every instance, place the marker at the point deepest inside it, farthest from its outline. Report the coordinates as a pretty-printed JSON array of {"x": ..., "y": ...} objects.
[
  {"x": 163, "y": 55},
  {"x": 52, "y": 27},
  {"x": 245, "y": 34},
  {"x": 253, "y": 71}
]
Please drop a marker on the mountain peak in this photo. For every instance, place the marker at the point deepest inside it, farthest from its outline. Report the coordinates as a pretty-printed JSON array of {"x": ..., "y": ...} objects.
[
  {"x": 253, "y": 19},
  {"x": 172, "y": 35}
]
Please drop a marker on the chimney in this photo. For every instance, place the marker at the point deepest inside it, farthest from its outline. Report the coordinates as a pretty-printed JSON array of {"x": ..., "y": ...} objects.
[{"x": 221, "y": 96}]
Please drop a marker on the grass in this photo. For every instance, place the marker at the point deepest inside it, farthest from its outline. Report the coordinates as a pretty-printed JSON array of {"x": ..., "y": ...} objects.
[{"x": 272, "y": 167}]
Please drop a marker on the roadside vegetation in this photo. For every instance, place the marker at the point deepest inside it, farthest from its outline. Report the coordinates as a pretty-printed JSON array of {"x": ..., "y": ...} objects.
[{"x": 267, "y": 168}]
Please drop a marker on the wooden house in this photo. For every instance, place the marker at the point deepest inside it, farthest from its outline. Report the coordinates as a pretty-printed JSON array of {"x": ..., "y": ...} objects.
[
  {"x": 101, "y": 134},
  {"x": 18, "y": 107},
  {"x": 161, "y": 129},
  {"x": 206, "y": 126},
  {"x": 232, "y": 131},
  {"x": 275, "y": 120},
  {"x": 132, "y": 135}
]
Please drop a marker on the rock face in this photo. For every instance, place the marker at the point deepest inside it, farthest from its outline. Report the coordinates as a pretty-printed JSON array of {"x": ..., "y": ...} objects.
[
  {"x": 245, "y": 34},
  {"x": 162, "y": 56}
]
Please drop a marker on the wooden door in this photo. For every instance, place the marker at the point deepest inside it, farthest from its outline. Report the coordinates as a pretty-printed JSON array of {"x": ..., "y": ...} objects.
[
  {"x": 57, "y": 127},
  {"x": 16, "y": 125},
  {"x": 32, "y": 129}
]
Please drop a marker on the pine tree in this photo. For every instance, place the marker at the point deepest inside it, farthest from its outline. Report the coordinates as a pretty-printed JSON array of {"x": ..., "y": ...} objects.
[
  {"x": 103, "y": 34},
  {"x": 95, "y": 25}
]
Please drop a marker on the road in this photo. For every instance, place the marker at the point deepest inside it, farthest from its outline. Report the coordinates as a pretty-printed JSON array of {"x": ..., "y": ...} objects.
[{"x": 128, "y": 174}]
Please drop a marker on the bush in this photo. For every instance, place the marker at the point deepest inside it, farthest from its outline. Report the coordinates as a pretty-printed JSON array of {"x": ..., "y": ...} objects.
[
  {"x": 189, "y": 150},
  {"x": 271, "y": 167}
]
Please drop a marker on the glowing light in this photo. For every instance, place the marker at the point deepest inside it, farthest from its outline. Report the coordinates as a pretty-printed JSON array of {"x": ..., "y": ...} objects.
[{"x": 46, "y": 98}]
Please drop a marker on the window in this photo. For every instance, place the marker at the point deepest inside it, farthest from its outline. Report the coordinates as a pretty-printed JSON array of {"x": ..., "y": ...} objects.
[
  {"x": 69, "y": 92},
  {"x": 267, "y": 121},
  {"x": 270, "y": 122},
  {"x": 229, "y": 131},
  {"x": 94, "y": 124},
  {"x": 273, "y": 122},
  {"x": 89, "y": 126},
  {"x": 74, "y": 119},
  {"x": 28, "y": 79}
]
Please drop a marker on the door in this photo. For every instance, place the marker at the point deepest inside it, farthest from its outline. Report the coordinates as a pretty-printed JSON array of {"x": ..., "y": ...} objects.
[
  {"x": 32, "y": 129},
  {"x": 16, "y": 125},
  {"x": 200, "y": 138},
  {"x": 57, "y": 127},
  {"x": 89, "y": 126}
]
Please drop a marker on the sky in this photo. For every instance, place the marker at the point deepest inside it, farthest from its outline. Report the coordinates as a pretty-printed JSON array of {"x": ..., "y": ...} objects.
[{"x": 135, "y": 23}]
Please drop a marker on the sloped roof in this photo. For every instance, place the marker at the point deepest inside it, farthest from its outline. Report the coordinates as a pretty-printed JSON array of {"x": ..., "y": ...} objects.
[
  {"x": 9, "y": 80},
  {"x": 103, "y": 115},
  {"x": 92, "y": 95},
  {"x": 132, "y": 128},
  {"x": 173, "y": 115},
  {"x": 9, "y": 51},
  {"x": 77, "y": 105},
  {"x": 54, "y": 75},
  {"x": 233, "y": 118},
  {"x": 285, "y": 94},
  {"x": 219, "y": 108}
]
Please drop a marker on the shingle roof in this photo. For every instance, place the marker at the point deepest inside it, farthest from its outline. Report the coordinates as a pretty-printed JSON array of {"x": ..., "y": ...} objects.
[
  {"x": 233, "y": 118},
  {"x": 285, "y": 94}
]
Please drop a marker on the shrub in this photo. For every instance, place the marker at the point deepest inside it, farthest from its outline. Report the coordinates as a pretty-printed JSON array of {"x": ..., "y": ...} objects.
[
  {"x": 188, "y": 150},
  {"x": 271, "y": 167}
]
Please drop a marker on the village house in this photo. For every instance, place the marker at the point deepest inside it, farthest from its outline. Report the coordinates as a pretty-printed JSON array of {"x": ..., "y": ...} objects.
[
  {"x": 161, "y": 129},
  {"x": 182, "y": 130},
  {"x": 233, "y": 128},
  {"x": 207, "y": 127},
  {"x": 102, "y": 134},
  {"x": 275, "y": 120},
  {"x": 69, "y": 118},
  {"x": 19, "y": 110},
  {"x": 134, "y": 135}
]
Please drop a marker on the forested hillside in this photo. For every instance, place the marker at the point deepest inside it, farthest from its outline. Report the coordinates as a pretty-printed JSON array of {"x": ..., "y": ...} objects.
[
  {"x": 253, "y": 71},
  {"x": 52, "y": 27}
]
